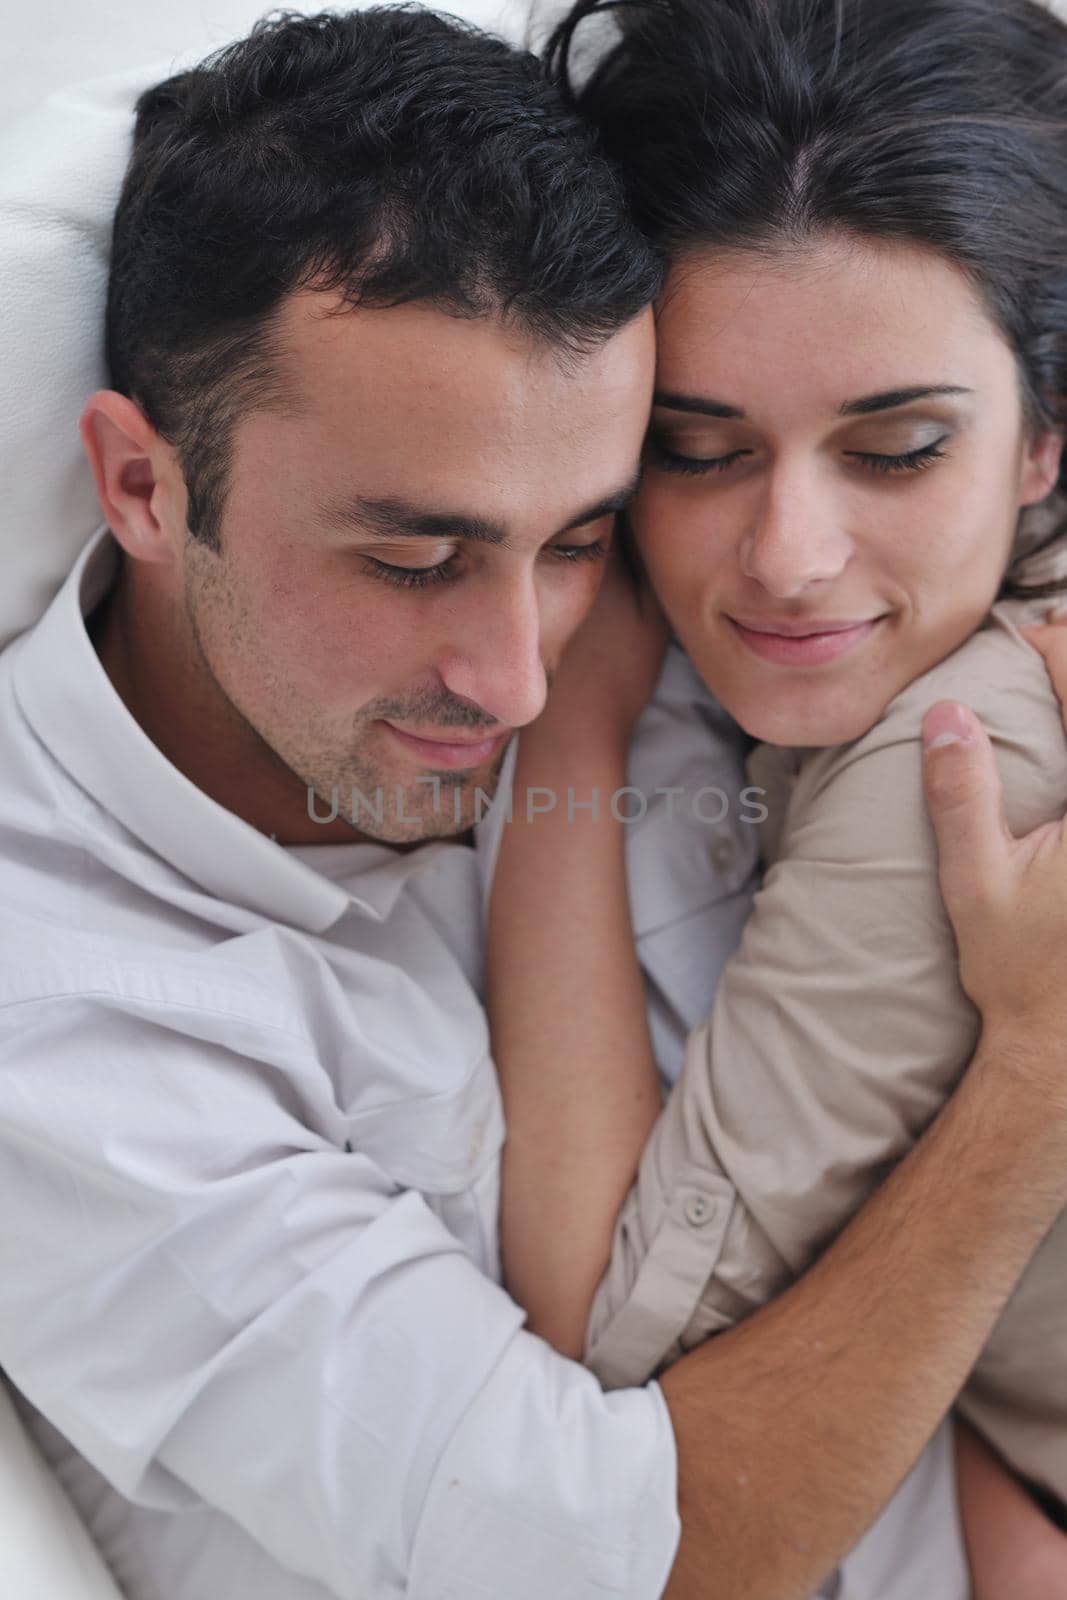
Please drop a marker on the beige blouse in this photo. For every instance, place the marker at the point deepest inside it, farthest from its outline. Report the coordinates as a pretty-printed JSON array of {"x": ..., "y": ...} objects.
[{"x": 839, "y": 1029}]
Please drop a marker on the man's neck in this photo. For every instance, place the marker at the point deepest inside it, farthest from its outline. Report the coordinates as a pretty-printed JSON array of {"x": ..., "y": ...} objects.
[{"x": 144, "y": 644}]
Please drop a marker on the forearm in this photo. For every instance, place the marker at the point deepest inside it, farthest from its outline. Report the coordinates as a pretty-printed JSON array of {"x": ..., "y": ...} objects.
[
  {"x": 570, "y": 1037},
  {"x": 794, "y": 1428},
  {"x": 1014, "y": 1551}
]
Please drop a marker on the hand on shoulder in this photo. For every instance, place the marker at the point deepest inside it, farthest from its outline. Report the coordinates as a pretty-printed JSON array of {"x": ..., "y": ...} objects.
[{"x": 1006, "y": 896}]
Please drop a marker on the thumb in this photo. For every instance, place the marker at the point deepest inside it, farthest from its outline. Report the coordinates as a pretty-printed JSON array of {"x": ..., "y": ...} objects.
[{"x": 964, "y": 797}]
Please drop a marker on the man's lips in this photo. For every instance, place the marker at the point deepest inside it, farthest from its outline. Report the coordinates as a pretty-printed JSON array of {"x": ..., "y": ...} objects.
[
  {"x": 803, "y": 644},
  {"x": 454, "y": 753}
]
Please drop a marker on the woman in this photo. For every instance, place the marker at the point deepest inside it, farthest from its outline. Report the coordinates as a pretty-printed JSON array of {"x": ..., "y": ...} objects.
[{"x": 854, "y": 461}]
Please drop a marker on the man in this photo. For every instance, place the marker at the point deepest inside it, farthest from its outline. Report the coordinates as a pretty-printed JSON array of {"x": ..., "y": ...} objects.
[{"x": 380, "y": 339}]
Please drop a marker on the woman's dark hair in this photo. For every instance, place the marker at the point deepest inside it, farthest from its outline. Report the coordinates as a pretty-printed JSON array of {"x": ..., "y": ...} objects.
[
  {"x": 391, "y": 155},
  {"x": 758, "y": 124}
]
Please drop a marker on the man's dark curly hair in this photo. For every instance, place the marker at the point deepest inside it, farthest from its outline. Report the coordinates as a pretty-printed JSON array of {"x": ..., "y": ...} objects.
[{"x": 389, "y": 155}]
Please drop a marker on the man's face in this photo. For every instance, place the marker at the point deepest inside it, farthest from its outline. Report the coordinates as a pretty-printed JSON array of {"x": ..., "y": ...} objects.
[{"x": 403, "y": 562}]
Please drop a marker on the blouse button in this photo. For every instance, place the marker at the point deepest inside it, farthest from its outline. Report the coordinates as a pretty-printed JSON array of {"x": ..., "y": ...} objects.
[{"x": 698, "y": 1210}]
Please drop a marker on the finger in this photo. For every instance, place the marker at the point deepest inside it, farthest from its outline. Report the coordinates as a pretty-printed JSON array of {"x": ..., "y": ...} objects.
[
  {"x": 1050, "y": 642},
  {"x": 964, "y": 797}
]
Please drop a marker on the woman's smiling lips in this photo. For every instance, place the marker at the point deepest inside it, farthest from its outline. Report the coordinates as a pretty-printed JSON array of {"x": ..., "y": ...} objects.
[
  {"x": 451, "y": 753},
  {"x": 802, "y": 644}
]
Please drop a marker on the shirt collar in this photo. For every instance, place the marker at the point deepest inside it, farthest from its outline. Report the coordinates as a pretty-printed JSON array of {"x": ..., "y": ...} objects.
[
  {"x": 70, "y": 702},
  {"x": 382, "y": 874}
]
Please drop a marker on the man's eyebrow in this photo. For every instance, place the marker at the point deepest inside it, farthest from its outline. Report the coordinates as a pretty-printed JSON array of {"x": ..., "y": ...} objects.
[
  {"x": 393, "y": 518},
  {"x": 896, "y": 397},
  {"x": 863, "y": 407},
  {"x": 608, "y": 507}
]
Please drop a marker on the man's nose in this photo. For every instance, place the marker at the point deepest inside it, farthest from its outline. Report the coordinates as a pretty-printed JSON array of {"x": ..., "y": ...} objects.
[
  {"x": 493, "y": 657},
  {"x": 797, "y": 537}
]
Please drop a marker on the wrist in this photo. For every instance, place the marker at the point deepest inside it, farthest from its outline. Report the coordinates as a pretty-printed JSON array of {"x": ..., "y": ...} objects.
[
  {"x": 1017, "y": 1084},
  {"x": 1029, "y": 1054},
  {"x": 581, "y": 741},
  {"x": 571, "y": 758}
]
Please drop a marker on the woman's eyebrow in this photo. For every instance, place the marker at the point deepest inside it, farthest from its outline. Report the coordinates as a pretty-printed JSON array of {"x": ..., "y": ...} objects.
[
  {"x": 703, "y": 406},
  {"x": 689, "y": 402},
  {"x": 896, "y": 397}
]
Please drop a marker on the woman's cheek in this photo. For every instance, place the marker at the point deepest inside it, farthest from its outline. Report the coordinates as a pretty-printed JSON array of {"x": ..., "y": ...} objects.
[{"x": 695, "y": 560}]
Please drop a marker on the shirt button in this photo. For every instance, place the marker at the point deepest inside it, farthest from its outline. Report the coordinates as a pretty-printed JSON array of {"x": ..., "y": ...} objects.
[
  {"x": 698, "y": 1210},
  {"x": 722, "y": 853}
]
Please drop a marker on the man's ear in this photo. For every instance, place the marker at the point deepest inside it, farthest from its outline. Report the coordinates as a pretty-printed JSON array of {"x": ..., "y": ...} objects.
[
  {"x": 131, "y": 464},
  {"x": 1041, "y": 466}
]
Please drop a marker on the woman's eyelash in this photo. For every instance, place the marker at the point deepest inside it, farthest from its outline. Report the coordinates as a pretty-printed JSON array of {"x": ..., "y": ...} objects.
[
  {"x": 445, "y": 572},
  {"x": 671, "y": 461},
  {"x": 913, "y": 461},
  {"x": 910, "y": 461}
]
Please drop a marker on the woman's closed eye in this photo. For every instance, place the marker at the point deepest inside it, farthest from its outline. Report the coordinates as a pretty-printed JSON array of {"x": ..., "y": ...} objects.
[
  {"x": 923, "y": 455},
  {"x": 674, "y": 461},
  {"x": 669, "y": 460}
]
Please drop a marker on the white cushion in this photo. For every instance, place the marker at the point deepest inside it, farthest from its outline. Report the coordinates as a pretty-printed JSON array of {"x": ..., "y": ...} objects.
[{"x": 60, "y": 172}]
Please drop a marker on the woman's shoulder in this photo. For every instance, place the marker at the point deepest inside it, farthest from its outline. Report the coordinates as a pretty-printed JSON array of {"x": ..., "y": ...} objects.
[
  {"x": 989, "y": 672},
  {"x": 1001, "y": 677},
  {"x": 1003, "y": 680}
]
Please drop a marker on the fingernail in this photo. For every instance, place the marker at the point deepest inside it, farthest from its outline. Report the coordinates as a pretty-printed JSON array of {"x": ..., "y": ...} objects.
[{"x": 946, "y": 724}]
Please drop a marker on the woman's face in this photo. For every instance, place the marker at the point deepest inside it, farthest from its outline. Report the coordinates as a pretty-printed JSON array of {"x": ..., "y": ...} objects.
[{"x": 836, "y": 464}]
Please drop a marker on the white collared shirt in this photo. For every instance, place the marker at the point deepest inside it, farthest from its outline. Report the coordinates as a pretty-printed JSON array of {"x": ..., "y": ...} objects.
[{"x": 250, "y": 1136}]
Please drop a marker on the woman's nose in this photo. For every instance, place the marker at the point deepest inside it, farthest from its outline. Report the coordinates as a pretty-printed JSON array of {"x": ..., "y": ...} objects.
[{"x": 796, "y": 539}]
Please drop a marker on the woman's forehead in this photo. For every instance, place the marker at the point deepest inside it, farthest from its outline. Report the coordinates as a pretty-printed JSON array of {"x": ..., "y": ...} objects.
[{"x": 831, "y": 322}]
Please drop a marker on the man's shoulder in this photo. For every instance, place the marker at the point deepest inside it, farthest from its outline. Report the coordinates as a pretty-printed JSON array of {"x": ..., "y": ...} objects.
[
  {"x": 83, "y": 917},
  {"x": 79, "y": 967},
  {"x": 84, "y": 920}
]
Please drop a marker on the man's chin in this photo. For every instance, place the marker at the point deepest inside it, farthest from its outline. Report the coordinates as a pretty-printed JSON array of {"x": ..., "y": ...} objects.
[{"x": 434, "y": 806}]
